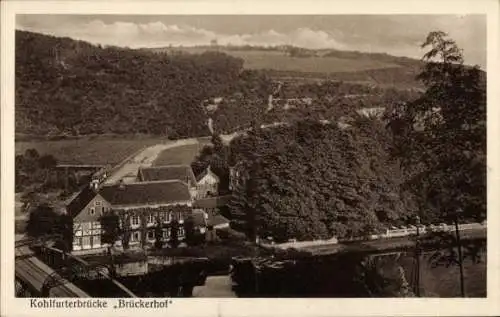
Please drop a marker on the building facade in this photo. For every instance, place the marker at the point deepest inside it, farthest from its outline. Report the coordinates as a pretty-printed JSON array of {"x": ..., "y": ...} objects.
[
  {"x": 143, "y": 209},
  {"x": 207, "y": 184}
]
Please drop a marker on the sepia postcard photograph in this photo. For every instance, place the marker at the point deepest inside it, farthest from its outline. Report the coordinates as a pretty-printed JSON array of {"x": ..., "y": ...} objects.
[{"x": 200, "y": 160}]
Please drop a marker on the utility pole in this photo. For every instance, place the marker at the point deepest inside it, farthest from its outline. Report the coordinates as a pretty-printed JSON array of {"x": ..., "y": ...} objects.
[{"x": 460, "y": 257}]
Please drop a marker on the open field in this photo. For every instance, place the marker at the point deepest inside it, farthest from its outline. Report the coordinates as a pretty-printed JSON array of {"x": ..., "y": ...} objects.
[
  {"x": 89, "y": 151},
  {"x": 167, "y": 153},
  {"x": 277, "y": 60},
  {"x": 184, "y": 154},
  {"x": 102, "y": 150}
]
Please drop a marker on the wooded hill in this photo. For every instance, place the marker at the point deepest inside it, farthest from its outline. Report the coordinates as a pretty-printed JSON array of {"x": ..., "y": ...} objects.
[
  {"x": 73, "y": 87},
  {"x": 68, "y": 87}
]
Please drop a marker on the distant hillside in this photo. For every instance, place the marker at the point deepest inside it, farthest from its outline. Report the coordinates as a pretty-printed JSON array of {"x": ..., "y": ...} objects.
[
  {"x": 71, "y": 87},
  {"x": 291, "y": 62}
]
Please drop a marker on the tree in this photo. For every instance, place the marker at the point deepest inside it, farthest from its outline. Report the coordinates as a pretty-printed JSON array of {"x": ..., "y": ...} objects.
[
  {"x": 440, "y": 138},
  {"x": 64, "y": 227},
  {"x": 135, "y": 80},
  {"x": 47, "y": 162},
  {"x": 159, "y": 235},
  {"x": 110, "y": 226},
  {"x": 174, "y": 233},
  {"x": 31, "y": 154},
  {"x": 219, "y": 147},
  {"x": 189, "y": 231},
  {"x": 43, "y": 221},
  {"x": 310, "y": 180}
]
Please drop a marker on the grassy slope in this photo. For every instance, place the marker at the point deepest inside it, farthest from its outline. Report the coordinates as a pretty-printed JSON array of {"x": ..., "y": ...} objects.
[
  {"x": 87, "y": 150},
  {"x": 255, "y": 59},
  {"x": 109, "y": 150},
  {"x": 179, "y": 155}
]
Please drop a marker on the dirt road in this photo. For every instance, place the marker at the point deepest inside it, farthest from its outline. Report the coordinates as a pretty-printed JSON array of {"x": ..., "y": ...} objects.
[{"x": 128, "y": 169}]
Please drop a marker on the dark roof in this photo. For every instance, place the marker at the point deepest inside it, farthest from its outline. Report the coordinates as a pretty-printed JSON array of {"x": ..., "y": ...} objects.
[
  {"x": 142, "y": 193},
  {"x": 216, "y": 220},
  {"x": 168, "y": 172},
  {"x": 212, "y": 202},
  {"x": 81, "y": 200},
  {"x": 204, "y": 173},
  {"x": 199, "y": 218}
]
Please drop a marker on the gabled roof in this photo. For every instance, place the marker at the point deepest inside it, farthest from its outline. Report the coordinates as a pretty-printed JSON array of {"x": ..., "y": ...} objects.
[
  {"x": 80, "y": 200},
  {"x": 216, "y": 220},
  {"x": 167, "y": 172},
  {"x": 205, "y": 172},
  {"x": 143, "y": 193},
  {"x": 212, "y": 202}
]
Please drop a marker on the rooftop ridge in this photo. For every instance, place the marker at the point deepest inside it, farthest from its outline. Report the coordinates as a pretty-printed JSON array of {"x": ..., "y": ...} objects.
[
  {"x": 148, "y": 182},
  {"x": 164, "y": 166}
]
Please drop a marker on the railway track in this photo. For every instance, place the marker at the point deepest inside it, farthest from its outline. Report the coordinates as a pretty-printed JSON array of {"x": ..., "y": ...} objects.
[{"x": 32, "y": 271}]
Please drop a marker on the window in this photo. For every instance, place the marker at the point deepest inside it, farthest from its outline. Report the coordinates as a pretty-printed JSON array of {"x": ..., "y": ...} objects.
[
  {"x": 135, "y": 220},
  {"x": 166, "y": 234},
  {"x": 135, "y": 237},
  {"x": 86, "y": 243},
  {"x": 151, "y": 218},
  {"x": 87, "y": 228},
  {"x": 77, "y": 241},
  {"x": 96, "y": 241},
  {"x": 97, "y": 203},
  {"x": 151, "y": 235},
  {"x": 92, "y": 211},
  {"x": 96, "y": 228},
  {"x": 181, "y": 232}
]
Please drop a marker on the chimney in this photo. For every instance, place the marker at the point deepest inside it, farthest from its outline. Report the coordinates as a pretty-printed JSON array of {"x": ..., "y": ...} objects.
[
  {"x": 94, "y": 184},
  {"x": 121, "y": 184}
]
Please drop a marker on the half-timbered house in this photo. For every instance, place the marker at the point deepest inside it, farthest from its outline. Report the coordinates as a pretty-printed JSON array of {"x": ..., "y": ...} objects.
[{"x": 141, "y": 208}]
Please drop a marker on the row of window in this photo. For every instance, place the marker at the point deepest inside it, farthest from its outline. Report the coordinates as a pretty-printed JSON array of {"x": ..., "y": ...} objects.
[
  {"x": 94, "y": 241},
  {"x": 89, "y": 228},
  {"x": 88, "y": 242},
  {"x": 150, "y": 235},
  {"x": 151, "y": 219},
  {"x": 86, "y": 229},
  {"x": 101, "y": 210}
]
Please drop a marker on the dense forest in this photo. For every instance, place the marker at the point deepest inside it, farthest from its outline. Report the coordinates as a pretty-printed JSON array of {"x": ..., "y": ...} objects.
[
  {"x": 72, "y": 87},
  {"x": 314, "y": 181}
]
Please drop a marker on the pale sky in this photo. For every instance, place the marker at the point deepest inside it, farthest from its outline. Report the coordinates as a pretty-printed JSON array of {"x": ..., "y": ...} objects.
[{"x": 399, "y": 35}]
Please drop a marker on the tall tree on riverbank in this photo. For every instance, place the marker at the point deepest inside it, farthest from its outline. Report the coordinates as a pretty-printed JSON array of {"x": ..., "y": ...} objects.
[
  {"x": 312, "y": 180},
  {"x": 440, "y": 139}
]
